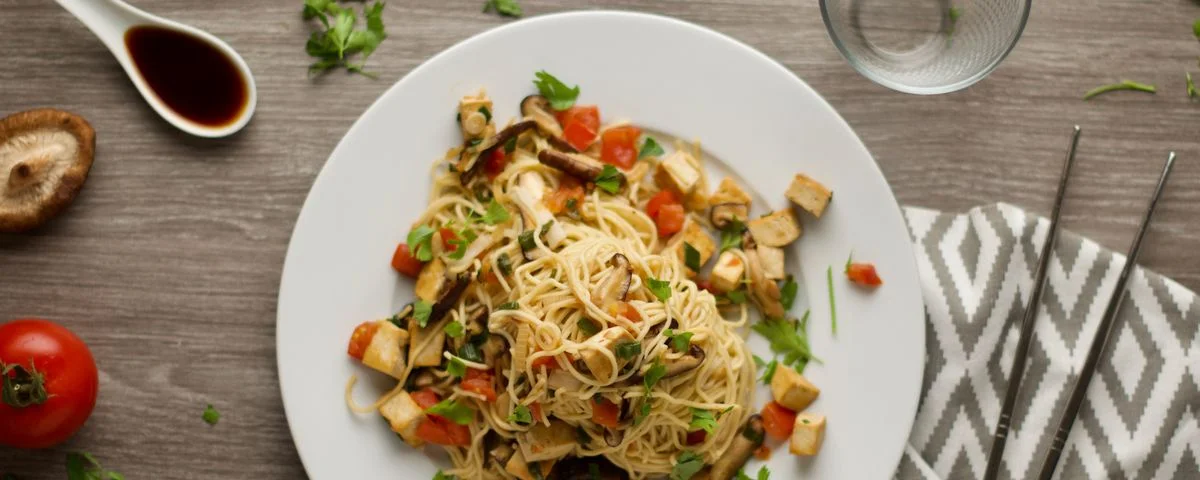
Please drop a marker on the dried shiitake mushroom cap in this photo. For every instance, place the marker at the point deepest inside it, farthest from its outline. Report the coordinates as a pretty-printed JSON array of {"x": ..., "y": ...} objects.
[{"x": 45, "y": 156}]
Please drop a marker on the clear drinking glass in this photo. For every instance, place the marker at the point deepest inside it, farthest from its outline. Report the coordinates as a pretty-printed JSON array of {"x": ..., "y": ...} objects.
[{"x": 925, "y": 46}]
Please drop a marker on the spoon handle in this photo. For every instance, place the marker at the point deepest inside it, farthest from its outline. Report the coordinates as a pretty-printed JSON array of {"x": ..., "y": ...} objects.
[{"x": 108, "y": 19}]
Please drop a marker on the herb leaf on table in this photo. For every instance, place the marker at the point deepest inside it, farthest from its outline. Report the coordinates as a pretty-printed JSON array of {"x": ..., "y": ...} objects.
[{"x": 341, "y": 37}]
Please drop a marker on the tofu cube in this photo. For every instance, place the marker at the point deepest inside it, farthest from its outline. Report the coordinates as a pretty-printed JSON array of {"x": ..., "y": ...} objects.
[
  {"x": 792, "y": 390},
  {"x": 728, "y": 191},
  {"x": 425, "y": 345},
  {"x": 387, "y": 349},
  {"x": 678, "y": 173},
  {"x": 547, "y": 442},
  {"x": 694, "y": 235},
  {"x": 518, "y": 467},
  {"x": 807, "y": 435},
  {"x": 404, "y": 416},
  {"x": 430, "y": 280},
  {"x": 809, "y": 194},
  {"x": 597, "y": 362},
  {"x": 472, "y": 119},
  {"x": 727, "y": 273},
  {"x": 777, "y": 229},
  {"x": 772, "y": 262}
]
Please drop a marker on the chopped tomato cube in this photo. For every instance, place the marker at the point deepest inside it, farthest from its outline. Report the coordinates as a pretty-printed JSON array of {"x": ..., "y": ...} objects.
[
  {"x": 496, "y": 162},
  {"x": 479, "y": 381},
  {"x": 568, "y": 189},
  {"x": 535, "y": 409},
  {"x": 448, "y": 236},
  {"x": 425, "y": 398},
  {"x": 654, "y": 206},
  {"x": 778, "y": 421},
  {"x": 670, "y": 219},
  {"x": 548, "y": 362},
  {"x": 580, "y": 125},
  {"x": 605, "y": 413},
  {"x": 618, "y": 146},
  {"x": 440, "y": 431},
  {"x": 361, "y": 338},
  {"x": 626, "y": 310},
  {"x": 705, "y": 285},
  {"x": 697, "y": 437},
  {"x": 863, "y": 274},
  {"x": 404, "y": 262}
]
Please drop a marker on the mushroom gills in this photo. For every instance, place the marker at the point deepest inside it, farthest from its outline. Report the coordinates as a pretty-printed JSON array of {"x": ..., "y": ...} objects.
[
  {"x": 537, "y": 108},
  {"x": 45, "y": 156},
  {"x": 615, "y": 287}
]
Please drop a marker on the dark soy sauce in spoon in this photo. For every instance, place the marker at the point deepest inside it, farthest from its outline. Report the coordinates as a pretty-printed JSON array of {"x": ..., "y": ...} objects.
[{"x": 189, "y": 75}]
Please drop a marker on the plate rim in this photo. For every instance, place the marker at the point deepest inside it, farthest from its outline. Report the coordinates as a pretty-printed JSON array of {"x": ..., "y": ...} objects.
[{"x": 910, "y": 259}]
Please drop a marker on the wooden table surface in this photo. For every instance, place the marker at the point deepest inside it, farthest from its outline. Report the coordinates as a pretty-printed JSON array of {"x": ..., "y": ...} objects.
[{"x": 168, "y": 263}]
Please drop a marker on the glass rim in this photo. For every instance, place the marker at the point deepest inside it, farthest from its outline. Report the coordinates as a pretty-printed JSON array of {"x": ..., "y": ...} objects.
[{"x": 904, "y": 88}]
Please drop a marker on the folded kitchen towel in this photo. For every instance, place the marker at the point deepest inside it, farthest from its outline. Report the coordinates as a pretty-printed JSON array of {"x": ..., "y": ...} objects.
[{"x": 1141, "y": 418}]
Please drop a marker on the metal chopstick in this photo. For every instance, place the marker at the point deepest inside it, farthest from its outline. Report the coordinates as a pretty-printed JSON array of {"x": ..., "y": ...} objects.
[
  {"x": 1027, "y": 324},
  {"x": 1102, "y": 333}
]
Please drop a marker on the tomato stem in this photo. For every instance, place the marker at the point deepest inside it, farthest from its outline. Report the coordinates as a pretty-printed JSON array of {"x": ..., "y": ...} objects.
[{"x": 21, "y": 387}]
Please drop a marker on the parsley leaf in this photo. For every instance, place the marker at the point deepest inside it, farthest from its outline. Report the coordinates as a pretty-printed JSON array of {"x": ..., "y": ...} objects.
[
  {"x": 703, "y": 420},
  {"x": 1196, "y": 28},
  {"x": 687, "y": 465},
  {"x": 509, "y": 306},
  {"x": 421, "y": 312},
  {"x": 454, "y": 411},
  {"x": 521, "y": 415},
  {"x": 495, "y": 213},
  {"x": 691, "y": 257},
  {"x": 643, "y": 412},
  {"x": 525, "y": 239},
  {"x": 680, "y": 341},
  {"x": 83, "y": 466},
  {"x": 731, "y": 235},
  {"x": 561, "y": 96},
  {"x": 650, "y": 148},
  {"x": 660, "y": 288},
  {"x": 763, "y": 474},
  {"x": 341, "y": 38},
  {"x": 211, "y": 416},
  {"x": 736, "y": 297},
  {"x": 420, "y": 243},
  {"x": 787, "y": 294},
  {"x": 442, "y": 476},
  {"x": 1191, "y": 86},
  {"x": 769, "y": 372},
  {"x": 507, "y": 8},
  {"x": 456, "y": 368},
  {"x": 453, "y": 329},
  {"x": 849, "y": 260},
  {"x": 587, "y": 326},
  {"x": 656, "y": 372},
  {"x": 610, "y": 179},
  {"x": 788, "y": 339},
  {"x": 505, "y": 264},
  {"x": 627, "y": 349},
  {"x": 1123, "y": 85},
  {"x": 832, "y": 300}
]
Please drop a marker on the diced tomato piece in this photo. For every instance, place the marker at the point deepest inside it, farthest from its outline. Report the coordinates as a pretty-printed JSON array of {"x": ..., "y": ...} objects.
[
  {"x": 704, "y": 284},
  {"x": 697, "y": 437},
  {"x": 568, "y": 189},
  {"x": 778, "y": 421},
  {"x": 404, "y": 262},
  {"x": 535, "y": 409},
  {"x": 550, "y": 363},
  {"x": 496, "y": 162},
  {"x": 863, "y": 274},
  {"x": 580, "y": 125},
  {"x": 763, "y": 452},
  {"x": 480, "y": 386},
  {"x": 670, "y": 219},
  {"x": 425, "y": 398},
  {"x": 665, "y": 197},
  {"x": 361, "y": 338},
  {"x": 605, "y": 413},
  {"x": 618, "y": 146},
  {"x": 440, "y": 431},
  {"x": 448, "y": 235},
  {"x": 626, "y": 310}
]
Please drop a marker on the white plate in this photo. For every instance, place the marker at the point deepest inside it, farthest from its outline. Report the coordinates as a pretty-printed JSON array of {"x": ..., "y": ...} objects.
[{"x": 668, "y": 76}]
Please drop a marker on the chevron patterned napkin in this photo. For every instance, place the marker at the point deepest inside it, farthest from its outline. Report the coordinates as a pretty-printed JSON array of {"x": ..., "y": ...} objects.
[{"x": 1141, "y": 419}]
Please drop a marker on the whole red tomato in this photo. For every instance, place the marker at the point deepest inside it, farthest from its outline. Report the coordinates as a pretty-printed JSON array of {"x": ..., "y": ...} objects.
[{"x": 49, "y": 383}]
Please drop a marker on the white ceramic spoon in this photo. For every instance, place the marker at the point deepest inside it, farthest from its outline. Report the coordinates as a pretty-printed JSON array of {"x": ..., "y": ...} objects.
[{"x": 111, "y": 19}]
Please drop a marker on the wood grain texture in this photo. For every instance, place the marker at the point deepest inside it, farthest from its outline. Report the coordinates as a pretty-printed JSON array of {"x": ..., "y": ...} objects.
[{"x": 168, "y": 263}]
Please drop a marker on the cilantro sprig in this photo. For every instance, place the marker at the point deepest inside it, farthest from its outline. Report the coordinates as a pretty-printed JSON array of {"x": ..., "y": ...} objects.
[
  {"x": 83, "y": 466},
  {"x": 420, "y": 243},
  {"x": 680, "y": 341},
  {"x": 691, "y": 257},
  {"x": 453, "y": 410},
  {"x": 788, "y": 338},
  {"x": 561, "y": 96},
  {"x": 1123, "y": 85},
  {"x": 506, "y": 8},
  {"x": 703, "y": 420},
  {"x": 768, "y": 369},
  {"x": 660, "y": 288},
  {"x": 686, "y": 466},
  {"x": 211, "y": 416},
  {"x": 610, "y": 179},
  {"x": 650, "y": 148},
  {"x": 521, "y": 415},
  {"x": 421, "y": 312},
  {"x": 341, "y": 37}
]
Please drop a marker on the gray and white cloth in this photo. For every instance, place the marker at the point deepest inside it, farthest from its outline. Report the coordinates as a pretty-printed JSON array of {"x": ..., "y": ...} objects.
[{"x": 1141, "y": 419}]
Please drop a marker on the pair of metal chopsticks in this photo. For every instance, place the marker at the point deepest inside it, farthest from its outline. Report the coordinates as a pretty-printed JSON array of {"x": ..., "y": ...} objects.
[{"x": 1098, "y": 342}]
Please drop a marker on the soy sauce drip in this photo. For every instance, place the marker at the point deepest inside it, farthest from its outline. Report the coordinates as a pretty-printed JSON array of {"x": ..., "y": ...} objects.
[{"x": 190, "y": 76}]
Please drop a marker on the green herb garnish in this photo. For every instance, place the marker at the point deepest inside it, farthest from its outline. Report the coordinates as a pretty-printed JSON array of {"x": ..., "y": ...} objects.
[
  {"x": 1191, "y": 86},
  {"x": 470, "y": 352},
  {"x": 703, "y": 420},
  {"x": 788, "y": 339},
  {"x": 680, "y": 341},
  {"x": 420, "y": 243},
  {"x": 691, "y": 257},
  {"x": 507, "y": 8},
  {"x": 442, "y": 476},
  {"x": 587, "y": 326},
  {"x": 211, "y": 416},
  {"x": 655, "y": 373},
  {"x": 525, "y": 239},
  {"x": 832, "y": 300},
  {"x": 650, "y": 148},
  {"x": 454, "y": 329},
  {"x": 1196, "y": 28},
  {"x": 421, "y": 312},
  {"x": 736, "y": 297},
  {"x": 660, "y": 288},
  {"x": 627, "y": 349},
  {"x": 610, "y": 179},
  {"x": 454, "y": 411},
  {"x": 495, "y": 213},
  {"x": 341, "y": 38},
  {"x": 509, "y": 306},
  {"x": 456, "y": 368},
  {"x": 643, "y": 412},
  {"x": 731, "y": 235},
  {"x": 1123, "y": 85},
  {"x": 504, "y": 264},
  {"x": 83, "y": 466},
  {"x": 560, "y": 96},
  {"x": 763, "y": 474},
  {"x": 787, "y": 293},
  {"x": 511, "y": 145},
  {"x": 687, "y": 465},
  {"x": 521, "y": 415}
]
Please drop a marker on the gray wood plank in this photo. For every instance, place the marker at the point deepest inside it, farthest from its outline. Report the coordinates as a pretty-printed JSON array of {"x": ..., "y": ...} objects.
[{"x": 168, "y": 263}]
